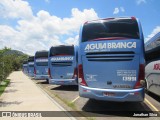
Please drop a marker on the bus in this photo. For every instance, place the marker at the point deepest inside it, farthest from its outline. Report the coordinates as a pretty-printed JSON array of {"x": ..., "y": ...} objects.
[
  {"x": 41, "y": 65},
  {"x": 31, "y": 66},
  {"x": 25, "y": 67},
  {"x": 63, "y": 65},
  {"x": 152, "y": 69},
  {"x": 111, "y": 60}
]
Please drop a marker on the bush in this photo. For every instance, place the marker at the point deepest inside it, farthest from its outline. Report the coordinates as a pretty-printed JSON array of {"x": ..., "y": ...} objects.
[{"x": 10, "y": 62}]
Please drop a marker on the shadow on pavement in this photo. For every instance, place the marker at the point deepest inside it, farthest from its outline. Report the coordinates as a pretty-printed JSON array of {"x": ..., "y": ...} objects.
[
  {"x": 66, "y": 88},
  {"x": 5, "y": 104},
  {"x": 10, "y": 90},
  {"x": 42, "y": 82},
  {"x": 104, "y": 108},
  {"x": 154, "y": 96}
]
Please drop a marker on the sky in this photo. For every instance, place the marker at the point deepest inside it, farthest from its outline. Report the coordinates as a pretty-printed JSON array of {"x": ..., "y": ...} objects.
[{"x": 32, "y": 25}]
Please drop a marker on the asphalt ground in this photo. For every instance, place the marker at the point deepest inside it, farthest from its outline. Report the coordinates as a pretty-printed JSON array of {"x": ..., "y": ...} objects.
[{"x": 68, "y": 97}]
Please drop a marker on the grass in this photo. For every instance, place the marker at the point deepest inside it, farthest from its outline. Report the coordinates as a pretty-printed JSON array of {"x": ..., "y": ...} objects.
[
  {"x": 91, "y": 118},
  {"x": 3, "y": 85},
  {"x": 69, "y": 104}
]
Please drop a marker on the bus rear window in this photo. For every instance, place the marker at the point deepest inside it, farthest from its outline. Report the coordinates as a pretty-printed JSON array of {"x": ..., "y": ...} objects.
[
  {"x": 31, "y": 59},
  {"x": 62, "y": 50},
  {"x": 25, "y": 62},
  {"x": 41, "y": 55},
  {"x": 31, "y": 65},
  {"x": 127, "y": 28}
]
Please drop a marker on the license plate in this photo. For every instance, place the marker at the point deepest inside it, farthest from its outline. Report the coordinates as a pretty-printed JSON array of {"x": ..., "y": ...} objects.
[{"x": 108, "y": 94}]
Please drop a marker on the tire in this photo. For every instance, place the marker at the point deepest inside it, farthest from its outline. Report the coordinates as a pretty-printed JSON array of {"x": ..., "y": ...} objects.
[
  {"x": 146, "y": 87},
  {"x": 47, "y": 81}
]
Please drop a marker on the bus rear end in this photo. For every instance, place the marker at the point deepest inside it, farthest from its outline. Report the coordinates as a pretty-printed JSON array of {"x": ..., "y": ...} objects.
[
  {"x": 63, "y": 65},
  {"x": 31, "y": 66},
  {"x": 25, "y": 67},
  {"x": 41, "y": 65},
  {"x": 111, "y": 60}
]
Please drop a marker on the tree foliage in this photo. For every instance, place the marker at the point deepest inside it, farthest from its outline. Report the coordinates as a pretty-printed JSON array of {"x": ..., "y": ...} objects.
[{"x": 10, "y": 62}]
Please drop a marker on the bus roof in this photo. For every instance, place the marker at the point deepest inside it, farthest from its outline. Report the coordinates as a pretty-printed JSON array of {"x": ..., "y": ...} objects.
[{"x": 153, "y": 42}]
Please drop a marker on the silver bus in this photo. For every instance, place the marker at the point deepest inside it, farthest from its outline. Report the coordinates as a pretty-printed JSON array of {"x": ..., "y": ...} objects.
[{"x": 152, "y": 69}]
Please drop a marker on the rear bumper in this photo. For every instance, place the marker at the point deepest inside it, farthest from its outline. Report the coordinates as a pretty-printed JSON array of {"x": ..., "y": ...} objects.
[
  {"x": 40, "y": 77},
  {"x": 134, "y": 95},
  {"x": 63, "y": 81},
  {"x": 30, "y": 74}
]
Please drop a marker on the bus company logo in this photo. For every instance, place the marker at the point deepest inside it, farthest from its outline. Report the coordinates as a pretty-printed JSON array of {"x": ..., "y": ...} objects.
[
  {"x": 62, "y": 59},
  {"x": 156, "y": 66},
  {"x": 42, "y": 60},
  {"x": 25, "y": 65},
  {"x": 112, "y": 45},
  {"x": 121, "y": 86},
  {"x": 21, "y": 114},
  {"x": 31, "y": 63}
]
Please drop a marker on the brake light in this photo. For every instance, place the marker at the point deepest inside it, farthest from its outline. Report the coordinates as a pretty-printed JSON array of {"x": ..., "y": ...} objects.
[
  {"x": 49, "y": 73},
  {"x": 140, "y": 81},
  {"x": 75, "y": 73},
  {"x": 34, "y": 70},
  {"x": 86, "y": 22},
  {"x": 81, "y": 76},
  {"x": 133, "y": 18}
]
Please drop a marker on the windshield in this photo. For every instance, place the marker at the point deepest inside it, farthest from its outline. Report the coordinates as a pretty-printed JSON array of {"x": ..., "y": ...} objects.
[{"x": 127, "y": 28}]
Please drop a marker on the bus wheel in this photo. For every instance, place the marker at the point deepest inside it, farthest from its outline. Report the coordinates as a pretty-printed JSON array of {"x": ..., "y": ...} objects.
[
  {"x": 146, "y": 87},
  {"x": 47, "y": 80}
]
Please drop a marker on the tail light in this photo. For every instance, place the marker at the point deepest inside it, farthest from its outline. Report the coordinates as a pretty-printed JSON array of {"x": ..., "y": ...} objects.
[
  {"x": 86, "y": 22},
  {"x": 34, "y": 70},
  {"x": 75, "y": 73},
  {"x": 140, "y": 81},
  {"x": 49, "y": 73},
  {"x": 133, "y": 18},
  {"x": 81, "y": 76}
]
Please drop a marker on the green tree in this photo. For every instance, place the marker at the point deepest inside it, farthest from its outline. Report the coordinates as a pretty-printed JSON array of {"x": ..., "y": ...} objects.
[{"x": 10, "y": 62}]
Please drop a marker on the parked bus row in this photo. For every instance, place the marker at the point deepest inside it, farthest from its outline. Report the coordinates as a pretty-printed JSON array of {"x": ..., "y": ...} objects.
[
  {"x": 58, "y": 66},
  {"x": 108, "y": 63}
]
